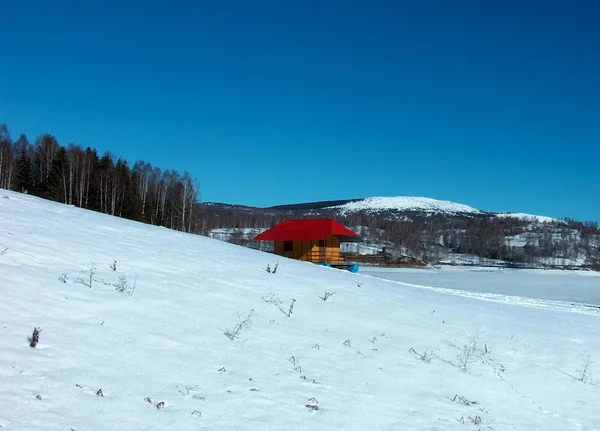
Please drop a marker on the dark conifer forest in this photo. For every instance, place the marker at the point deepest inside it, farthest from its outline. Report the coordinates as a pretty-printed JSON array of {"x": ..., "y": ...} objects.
[{"x": 81, "y": 177}]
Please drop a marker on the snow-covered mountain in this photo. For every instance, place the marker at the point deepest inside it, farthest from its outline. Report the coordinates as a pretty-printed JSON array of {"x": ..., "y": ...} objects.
[
  {"x": 392, "y": 207},
  {"x": 402, "y": 204}
]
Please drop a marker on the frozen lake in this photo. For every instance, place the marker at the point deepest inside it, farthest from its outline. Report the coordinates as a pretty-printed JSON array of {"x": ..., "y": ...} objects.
[{"x": 568, "y": 286}]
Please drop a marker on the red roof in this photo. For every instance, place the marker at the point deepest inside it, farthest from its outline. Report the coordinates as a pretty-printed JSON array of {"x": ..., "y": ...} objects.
[{"x": 306, "y": 230}]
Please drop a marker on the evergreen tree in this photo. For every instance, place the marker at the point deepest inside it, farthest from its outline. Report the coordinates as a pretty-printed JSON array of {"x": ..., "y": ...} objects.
[
  {"x": 57, "y": 183},
  {"x": 7, "y": 162},
  {"x": 24, "y": 181}
]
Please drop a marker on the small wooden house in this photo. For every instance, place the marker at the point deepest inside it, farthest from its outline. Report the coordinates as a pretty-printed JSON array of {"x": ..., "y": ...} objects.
[{"x": 312, "y": 240}]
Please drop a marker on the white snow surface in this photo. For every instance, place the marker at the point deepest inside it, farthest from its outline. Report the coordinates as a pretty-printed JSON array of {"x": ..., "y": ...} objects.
[
  {"x": 528, "y": 217},
  {"x": 406, "y": 203},
  {"x": 351, "y": 356},
  {"x": 573, "y": 288}
]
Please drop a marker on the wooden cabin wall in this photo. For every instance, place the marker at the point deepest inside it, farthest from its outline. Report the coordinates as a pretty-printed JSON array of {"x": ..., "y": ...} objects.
[
  {"x": 310, "y": 250},
  {"x": 332, "y": 250}
]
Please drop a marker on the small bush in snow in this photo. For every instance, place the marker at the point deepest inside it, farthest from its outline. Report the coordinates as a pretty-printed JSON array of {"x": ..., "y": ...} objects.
[
  {"x": 327, "y": 295},
  {"x": 92, "y": 271},
  {"x": 114, "y": 265},
  {"x": 469, "y": 352},
  {"x": 466, "y": 357},
  {"x": 242, "y": 324},
  {"x": 476, "y": 420},
  {"x": 462, "y": 400},
  {"x": 347, "y": 343},
  {"x": 273, "y": 270},
  {"x": 271, "y": 298},
  {"x": 426, "y": 356},
  {"x": 122, "y": 285},
  {"x": 585, "y": 374},
  {"x": 312, "y": 404},
  {"x": 63, "y": 277},
  {"x": 35, "y": 337},
  {"x": 291, "y": 310},
  {"x": 3, "y": 251},
  {"x": 99, "y": 393}
]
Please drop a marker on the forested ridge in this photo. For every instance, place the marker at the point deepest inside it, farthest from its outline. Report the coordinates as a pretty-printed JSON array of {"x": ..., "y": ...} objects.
[
  {"x": 418, "y": 237},
  {"x": 78, "y": 176},
  {"x": 508, "y": 241}
]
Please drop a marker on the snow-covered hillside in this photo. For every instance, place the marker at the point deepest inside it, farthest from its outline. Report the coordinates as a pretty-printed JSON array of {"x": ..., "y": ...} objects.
[
  {"x": 406, "y": 203},
  {"x": 167, "y": 353},
  {"x": 527, "y": 217}
]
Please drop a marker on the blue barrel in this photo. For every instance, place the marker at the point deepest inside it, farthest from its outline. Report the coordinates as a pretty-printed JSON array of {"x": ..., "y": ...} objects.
[{"x": 353, "y": 267}]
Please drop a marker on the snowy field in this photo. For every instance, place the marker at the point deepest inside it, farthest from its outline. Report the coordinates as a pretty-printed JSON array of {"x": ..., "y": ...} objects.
[
  {"x": 167, "y": 353},
  {"x": 582, "y": 287}
]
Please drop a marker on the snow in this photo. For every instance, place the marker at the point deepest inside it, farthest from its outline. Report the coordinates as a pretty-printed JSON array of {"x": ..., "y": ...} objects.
[
  {"x": 350, "y": 355},
  {"x": 528, "y": 217},
  {"x": 581, "y": 287},
  {"x": 471, "y": 260},
  {"x": 406, "y": 203},
  {"x": 225, "y": 234},
  {"x": 360, "y": 248}
]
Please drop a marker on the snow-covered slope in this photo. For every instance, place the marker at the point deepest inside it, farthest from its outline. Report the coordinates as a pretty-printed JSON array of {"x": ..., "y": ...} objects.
[
  {"x": 406, "y": 203},
  {"x": 527, "y": 217},
  {"x": 376, "y": 355}
]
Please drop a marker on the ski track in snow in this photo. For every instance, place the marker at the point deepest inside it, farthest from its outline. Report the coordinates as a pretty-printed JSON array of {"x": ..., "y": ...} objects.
[{"x": 589, "y": 309}]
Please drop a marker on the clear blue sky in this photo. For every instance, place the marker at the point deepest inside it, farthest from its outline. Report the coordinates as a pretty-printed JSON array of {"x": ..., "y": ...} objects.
[{"x": 494, "y": 104}]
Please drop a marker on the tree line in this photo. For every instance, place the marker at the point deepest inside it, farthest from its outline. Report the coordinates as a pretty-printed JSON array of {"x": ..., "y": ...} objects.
[
  {"x": 108, "y": 184},
  {"x": 514, "y": 241}
]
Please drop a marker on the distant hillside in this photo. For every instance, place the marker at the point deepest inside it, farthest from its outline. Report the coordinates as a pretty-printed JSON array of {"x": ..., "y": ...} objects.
[
  {"x": 314, "y": 205},
  {"x": 415, "y": 229},
  {"x": 394, "y": 208}
]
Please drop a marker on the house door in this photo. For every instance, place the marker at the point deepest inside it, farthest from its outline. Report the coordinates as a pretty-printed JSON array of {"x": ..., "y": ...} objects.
[{"x": 322, "y": 251}]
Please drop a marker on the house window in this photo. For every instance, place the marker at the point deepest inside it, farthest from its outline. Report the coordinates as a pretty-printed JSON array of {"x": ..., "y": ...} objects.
[
  {"x": 288, "y": 246},
  {"x": 321, "y": 243}
]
